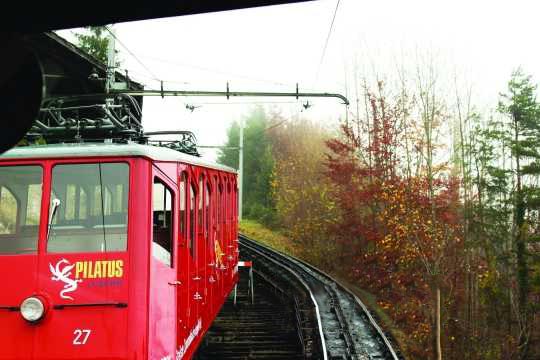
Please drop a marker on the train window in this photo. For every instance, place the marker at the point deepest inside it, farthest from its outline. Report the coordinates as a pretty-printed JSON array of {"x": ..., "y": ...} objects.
[
  {"x": 183, "y": 204},
  {"x": 192, "y": 242},
  {"x": 220, "y": 204},
  {"x": 76, "y": 202},
  {"x": 162, "y": 241},
  {"x": 20, "y": 205},
  {"x": 91, "y": 208},
  {"x": 8, "y": 216},
  {"x": 201, "y": 192},
  {"x": 229, "y": 203},
  {"x": 235, "y": 211},
  {"x": 207, "y": 209},
  {"x": 33, "y": 207}
]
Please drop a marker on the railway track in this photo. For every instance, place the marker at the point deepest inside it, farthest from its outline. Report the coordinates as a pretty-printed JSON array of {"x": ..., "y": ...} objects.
[
  {"x": 263, "y": 330},
  {"x": 329, "y": 321}
]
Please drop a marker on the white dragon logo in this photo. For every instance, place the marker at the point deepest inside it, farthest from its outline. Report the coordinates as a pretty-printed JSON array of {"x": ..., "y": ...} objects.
[{"x": 64, "y": 275}]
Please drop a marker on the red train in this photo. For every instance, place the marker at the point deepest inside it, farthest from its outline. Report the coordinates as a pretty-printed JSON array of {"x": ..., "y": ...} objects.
[{"x": 112, "y": 251}]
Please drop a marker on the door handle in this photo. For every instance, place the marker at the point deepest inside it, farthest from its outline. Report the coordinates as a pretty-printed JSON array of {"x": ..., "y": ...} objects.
[{"x": 175, "y": 283}]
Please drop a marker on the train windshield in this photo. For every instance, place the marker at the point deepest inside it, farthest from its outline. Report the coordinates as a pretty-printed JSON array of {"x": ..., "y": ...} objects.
[
  {"x": 20, "y": 204},
  {"x": 89, "y": 208}
]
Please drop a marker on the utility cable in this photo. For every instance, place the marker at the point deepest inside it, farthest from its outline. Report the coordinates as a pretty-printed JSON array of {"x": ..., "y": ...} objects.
[
  {"x": 327, "y": 41},
  {"x": 215, "y": 71},
  {"x": 243, "y": 103},
  {"x": 132, "y": 54}
]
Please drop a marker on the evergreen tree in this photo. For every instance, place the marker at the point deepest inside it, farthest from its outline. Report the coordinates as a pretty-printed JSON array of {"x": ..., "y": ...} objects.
[
  {"x": 523, "y": 130},
  {"x": 258, "y": 164}
]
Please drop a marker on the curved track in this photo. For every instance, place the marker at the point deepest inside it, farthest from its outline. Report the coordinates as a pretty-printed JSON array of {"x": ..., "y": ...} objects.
[{"x": 344, "y": 328}]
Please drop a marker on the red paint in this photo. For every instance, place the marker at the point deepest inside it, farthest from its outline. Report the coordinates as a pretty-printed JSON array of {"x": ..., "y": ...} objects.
[{"x": 144, "y": 309}]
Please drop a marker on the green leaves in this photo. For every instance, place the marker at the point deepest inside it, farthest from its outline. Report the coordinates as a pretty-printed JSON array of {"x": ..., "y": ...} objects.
[
  {"x": 95, "y": 43},
  {"x": 258, "y": 163}
]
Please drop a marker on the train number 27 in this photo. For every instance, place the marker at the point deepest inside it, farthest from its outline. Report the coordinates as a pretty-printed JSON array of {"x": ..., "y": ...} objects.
[{"x": 81, "y": 336}]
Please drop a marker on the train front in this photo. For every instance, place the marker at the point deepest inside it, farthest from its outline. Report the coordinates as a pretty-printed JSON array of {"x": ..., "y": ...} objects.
[{"x": 63, "y": 260}]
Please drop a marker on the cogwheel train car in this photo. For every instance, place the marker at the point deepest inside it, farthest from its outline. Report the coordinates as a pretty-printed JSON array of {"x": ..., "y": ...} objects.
[{"x": 112, "y": 251}]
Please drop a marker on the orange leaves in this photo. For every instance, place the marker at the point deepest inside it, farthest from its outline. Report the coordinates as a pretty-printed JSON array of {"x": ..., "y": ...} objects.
[{"x": 399, "y": 221}]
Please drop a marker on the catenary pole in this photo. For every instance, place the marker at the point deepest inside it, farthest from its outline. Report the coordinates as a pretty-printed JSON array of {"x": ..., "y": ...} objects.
[{"x": 110, "y": 60}]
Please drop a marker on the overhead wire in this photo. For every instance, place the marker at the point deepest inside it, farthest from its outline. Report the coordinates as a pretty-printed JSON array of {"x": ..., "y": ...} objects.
[
  {"x": 244, "y": 102},
  {"x": 221, "y": 72},
  {"x": 327, "y": 41},
  {"x": 154, "y": 77},
  {"x": 215, "y": 71}
]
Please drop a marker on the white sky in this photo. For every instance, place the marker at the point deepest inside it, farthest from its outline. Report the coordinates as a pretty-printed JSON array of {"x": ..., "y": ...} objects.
[{"x": 273, "y": 48}]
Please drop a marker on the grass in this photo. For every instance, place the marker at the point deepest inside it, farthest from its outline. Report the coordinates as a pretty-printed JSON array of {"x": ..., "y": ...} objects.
[
  {"x": 274, "y": 239},
  {"x": 278, "y": 241}
]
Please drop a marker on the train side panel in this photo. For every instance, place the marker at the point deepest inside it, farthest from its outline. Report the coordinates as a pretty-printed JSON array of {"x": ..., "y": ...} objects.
[{"x": 206, "y": 252}]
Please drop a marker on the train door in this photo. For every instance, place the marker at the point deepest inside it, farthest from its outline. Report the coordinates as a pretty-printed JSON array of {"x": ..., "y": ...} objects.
[
  {"x": 222, "y": 262},
  {"x": 163, "y": 269},
  {"x": 218, "y": 242},
  {"x": 224, "y": 225},
  {"x": 235, "y": 221},
  {"x": 228, "y": 229},
  {"x": 183, "y": 293},
  {"x": 201, "y": 255},
  {"x": 210, "y": 247},
  {"x": 194, "y": 297}
]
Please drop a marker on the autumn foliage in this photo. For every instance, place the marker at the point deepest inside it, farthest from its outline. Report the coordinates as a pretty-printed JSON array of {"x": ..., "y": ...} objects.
[
  {"x": 444, "y": 239},
  {"x": 399, "y": 237}
]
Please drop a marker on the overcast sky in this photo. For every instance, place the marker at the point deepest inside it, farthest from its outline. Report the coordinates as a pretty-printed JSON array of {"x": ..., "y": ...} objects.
[{"x": 273, "y": 48}]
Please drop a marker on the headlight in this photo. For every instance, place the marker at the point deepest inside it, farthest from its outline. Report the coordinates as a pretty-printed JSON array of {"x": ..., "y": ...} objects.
[{"x": 32, "y": 309}]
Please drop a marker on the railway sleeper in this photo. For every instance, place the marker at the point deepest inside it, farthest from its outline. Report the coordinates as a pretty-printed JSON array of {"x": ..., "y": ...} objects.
[{"x": 264, "y": 330}]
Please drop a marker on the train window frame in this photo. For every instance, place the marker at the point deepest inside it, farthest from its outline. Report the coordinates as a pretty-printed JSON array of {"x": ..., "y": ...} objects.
[
  {"x": 207, "y": 209},
  {"x": 200, "y": 204},
  {"x": 220, "y": 203},
  {"x": 183, "y": 199},
  {"x": 14, "y": 217},
  {"x": 229, "y": 203},
  {"x": 22, "y": 211},
  {"x": 163, "y": 251},
  {"x": 91, "y": 200},
  {"x": 192, "y": 243}
]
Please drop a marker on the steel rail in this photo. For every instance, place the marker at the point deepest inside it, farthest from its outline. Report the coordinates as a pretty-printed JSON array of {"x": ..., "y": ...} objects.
[
  {"x": 306, "y": 286},
  {"x": 358, "y": 301},
  {"x": 328, "y": 278}
]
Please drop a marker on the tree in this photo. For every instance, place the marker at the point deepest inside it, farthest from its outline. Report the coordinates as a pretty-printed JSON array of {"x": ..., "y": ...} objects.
[
  {"x": 258, "y": 164},
  {"x": 95, "y": 43},
  {"x": 301, "y": 192},
  {"x": 523, "y": 130}
]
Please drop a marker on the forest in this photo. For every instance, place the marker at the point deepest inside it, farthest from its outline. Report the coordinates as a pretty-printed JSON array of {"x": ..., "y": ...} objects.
[{"x": 420, "y": 199}]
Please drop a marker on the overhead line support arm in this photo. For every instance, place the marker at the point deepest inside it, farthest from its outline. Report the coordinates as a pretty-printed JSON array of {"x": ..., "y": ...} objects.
[{"x": 229, "y": 94}]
